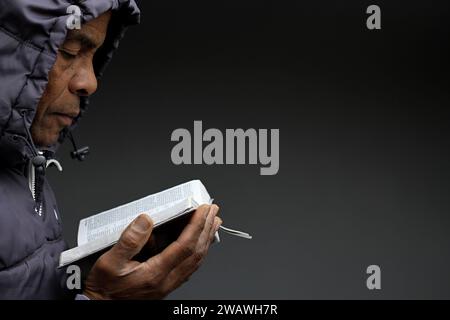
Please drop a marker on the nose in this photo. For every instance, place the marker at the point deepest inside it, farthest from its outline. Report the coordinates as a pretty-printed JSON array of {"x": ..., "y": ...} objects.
[{"x": 84, "y": 81}]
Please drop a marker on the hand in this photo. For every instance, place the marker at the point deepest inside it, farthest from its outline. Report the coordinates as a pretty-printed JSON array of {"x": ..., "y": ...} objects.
[
  {"x": 162, "y": 237},
  {"x": 116, "y": 275}
]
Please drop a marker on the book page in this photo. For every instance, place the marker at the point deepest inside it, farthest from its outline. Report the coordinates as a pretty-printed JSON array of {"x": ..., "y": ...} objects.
[{"x": 115, "y": 220}]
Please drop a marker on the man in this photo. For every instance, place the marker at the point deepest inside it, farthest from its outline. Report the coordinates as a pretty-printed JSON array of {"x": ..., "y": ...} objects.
[{"x": 47, "y": 72}]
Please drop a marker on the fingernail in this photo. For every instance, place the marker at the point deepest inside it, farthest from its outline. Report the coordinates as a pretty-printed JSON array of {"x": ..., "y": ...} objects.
[
  {"x": 141, "y": 224},
  {"x": 207, "y": 211}
]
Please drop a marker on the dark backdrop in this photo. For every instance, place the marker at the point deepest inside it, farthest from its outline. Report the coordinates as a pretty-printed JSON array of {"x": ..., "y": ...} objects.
[{"x": 364, "y": 141}]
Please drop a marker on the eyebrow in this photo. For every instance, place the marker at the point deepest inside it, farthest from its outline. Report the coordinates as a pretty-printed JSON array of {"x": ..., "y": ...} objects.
[{"x": 85, "y": 40}]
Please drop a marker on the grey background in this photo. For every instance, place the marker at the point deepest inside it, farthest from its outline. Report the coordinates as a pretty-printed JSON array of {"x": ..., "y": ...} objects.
[{"x": 364, "y": 141}]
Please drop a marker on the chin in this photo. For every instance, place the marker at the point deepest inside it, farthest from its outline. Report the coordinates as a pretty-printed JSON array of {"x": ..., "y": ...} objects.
[{"x": 46, "y": 140}]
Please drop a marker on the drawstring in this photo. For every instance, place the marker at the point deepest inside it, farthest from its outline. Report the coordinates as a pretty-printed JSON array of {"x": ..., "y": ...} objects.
[
  {"x": 78, "y": 153},
  {"x": 38, "y": 159},
  {"x": 39, "y": 163}
]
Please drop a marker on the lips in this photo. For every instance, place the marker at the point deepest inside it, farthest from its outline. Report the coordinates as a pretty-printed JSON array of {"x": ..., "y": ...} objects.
[{"x": 66, "y": 119}]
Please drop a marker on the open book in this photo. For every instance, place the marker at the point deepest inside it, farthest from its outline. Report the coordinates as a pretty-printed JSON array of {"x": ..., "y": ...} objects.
[{"x": 102, "y": 230}]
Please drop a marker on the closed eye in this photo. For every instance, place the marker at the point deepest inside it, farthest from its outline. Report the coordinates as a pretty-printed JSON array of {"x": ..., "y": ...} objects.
[{"x": 67, "y": 55}]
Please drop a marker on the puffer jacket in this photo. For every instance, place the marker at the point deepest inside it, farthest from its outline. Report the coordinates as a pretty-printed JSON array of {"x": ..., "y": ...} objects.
[{"x": 30, "y": 230}]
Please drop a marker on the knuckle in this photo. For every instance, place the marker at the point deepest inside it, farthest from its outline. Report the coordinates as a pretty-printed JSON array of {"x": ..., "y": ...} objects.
[
  {"x": 154, "y": 265},
  {"x": 151, "y": 280},
  {"x": 190, "y": 249},
  {"x": 102, "y": 265},
  {"x": 203, "y": 212},
  {"x": 198, "y": 257},
  {"x": 187, "y": 249},
  {"x": 130, "y": 241}
]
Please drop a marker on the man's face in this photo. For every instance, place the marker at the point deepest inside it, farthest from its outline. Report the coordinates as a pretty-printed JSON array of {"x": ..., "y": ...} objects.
[{"x": 71, "y": 77}]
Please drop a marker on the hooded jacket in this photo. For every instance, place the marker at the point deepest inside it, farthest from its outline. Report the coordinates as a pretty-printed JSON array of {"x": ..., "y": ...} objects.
[{"x": 30, "y": 231}]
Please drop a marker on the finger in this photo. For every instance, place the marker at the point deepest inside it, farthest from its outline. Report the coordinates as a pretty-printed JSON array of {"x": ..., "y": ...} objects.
[
  {"x": 196, "y": 226},
  {"x": 182, "y": 272},
  {"x": 209, "y": 225},
  {"x": 133, "y": 238},
  {"x": 202, "y": 242},
  {"x": 204, "y": 239},
  {"x": 185, "y": 245},
  {"x": 185, "y": 269},
  {"x": 152, "y": 244},
  {"x": 176, "y": 277},
  {"x": 217, "y": 224}
]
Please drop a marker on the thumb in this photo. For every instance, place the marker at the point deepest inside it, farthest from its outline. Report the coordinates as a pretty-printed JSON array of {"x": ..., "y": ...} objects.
[{"x": 133, "y": 238}]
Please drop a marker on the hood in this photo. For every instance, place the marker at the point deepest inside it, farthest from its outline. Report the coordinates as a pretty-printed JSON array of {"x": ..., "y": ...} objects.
[{"x": 30, "y": 34}]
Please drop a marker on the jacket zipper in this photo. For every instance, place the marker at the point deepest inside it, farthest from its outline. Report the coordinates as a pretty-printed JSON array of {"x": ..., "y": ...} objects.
[
  {"x": 32, "y": 181},
  {"x": 32, "y": 186}
]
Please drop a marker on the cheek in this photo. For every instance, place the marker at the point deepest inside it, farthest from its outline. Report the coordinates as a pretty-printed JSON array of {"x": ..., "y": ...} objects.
[
  {"x": 40, "y": 112},
  {"x": 58, "y": 81},
  {"x": 45, "y": 125},
  {"x": 51, "y": 98},
  {"x": 55, "y": 89},
  {"x": 45, "y": 130}
]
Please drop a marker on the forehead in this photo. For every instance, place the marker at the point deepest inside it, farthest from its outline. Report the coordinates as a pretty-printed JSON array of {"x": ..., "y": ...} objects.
[{"x": 92, "y": 34}]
